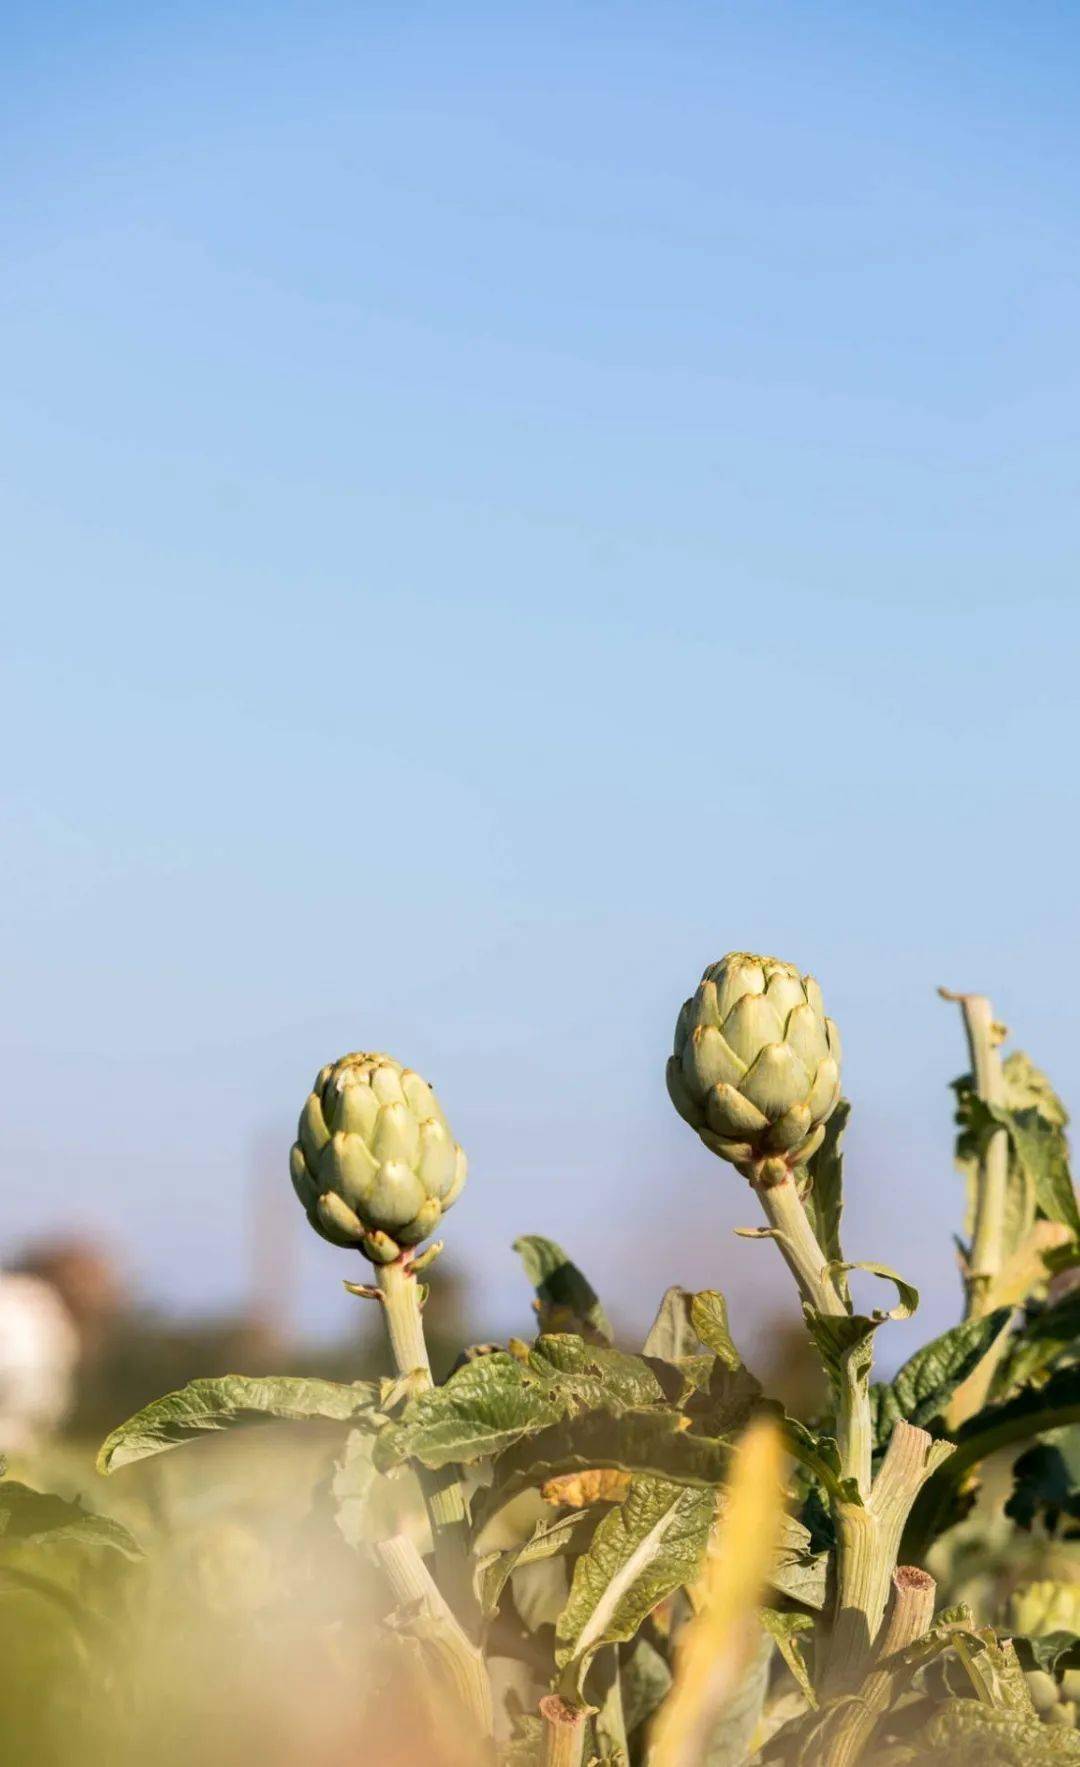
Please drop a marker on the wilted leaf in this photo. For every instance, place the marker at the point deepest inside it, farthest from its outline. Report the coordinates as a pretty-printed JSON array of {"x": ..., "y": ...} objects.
[
  {"x": 565, "y": 1300},
  {"x": 650, "y": 1544},
  {"x": 598, "y": 1485},
  {"x": 224, "y": 1403}
]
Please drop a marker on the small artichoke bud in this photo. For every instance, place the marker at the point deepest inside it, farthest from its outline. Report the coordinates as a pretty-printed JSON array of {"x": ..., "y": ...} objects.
[
  {"x": 374, "y": 1162},
  {"x": 756, "y": 1067}
]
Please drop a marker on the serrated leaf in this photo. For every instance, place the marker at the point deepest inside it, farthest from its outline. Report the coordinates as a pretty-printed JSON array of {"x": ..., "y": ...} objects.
[
  {"x": 226, "y": 1402},
  {"x": 928, "y": 1379},
  {"x": 785, "y": 1630},
  {"x": 648, "y": 1546},
  {"x": 964, "y": 1733},
  {"x": 29, "y": 1517},
  {"x": 484, "y": 1408},
  {"x": 565, "y": 1299},
  {"x": 824, "y": 1200},
  {"x": 593, "y": 1376}
]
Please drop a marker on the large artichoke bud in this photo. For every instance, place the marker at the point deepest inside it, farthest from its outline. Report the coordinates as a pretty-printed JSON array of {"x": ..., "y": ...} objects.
[
  {"x": 756, "y": 1068},
  {"x": 375, "y": 1164}
]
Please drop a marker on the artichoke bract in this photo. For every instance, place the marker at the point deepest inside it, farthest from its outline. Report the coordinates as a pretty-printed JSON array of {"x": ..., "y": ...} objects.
[
  {"x": 374, "y": 1163},
  {"x": 756, "y": 1068}
]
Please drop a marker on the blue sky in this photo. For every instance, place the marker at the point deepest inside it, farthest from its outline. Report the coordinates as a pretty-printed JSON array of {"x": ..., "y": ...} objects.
[{"x": 500, "y": 506}]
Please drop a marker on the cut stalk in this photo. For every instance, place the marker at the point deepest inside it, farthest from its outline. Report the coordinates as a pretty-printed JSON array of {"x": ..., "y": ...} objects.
[
  {"x": 564, "y": 1732},
  {"x": 909, "y": 1617}
]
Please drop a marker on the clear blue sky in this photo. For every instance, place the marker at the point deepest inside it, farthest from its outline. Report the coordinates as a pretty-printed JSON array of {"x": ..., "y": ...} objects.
[{"x": 500, "y": 505}]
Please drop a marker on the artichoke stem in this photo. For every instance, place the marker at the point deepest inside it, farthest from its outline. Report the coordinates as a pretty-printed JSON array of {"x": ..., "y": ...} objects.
[
  {"x": 411, "y": 1582},
  {"x": 801, "y": 1252},
  {"x": 909, "y": 1617},
  {"x": 401, "y": 1297}
]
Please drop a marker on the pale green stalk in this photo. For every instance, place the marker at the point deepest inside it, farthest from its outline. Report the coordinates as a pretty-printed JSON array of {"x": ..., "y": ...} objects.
[
  {"x": 988, "y": 1248},
  {"x": 413, "y": 1585},
  {"x": 400, "y": 1294},
  {"x": 910, "y": 1614}
]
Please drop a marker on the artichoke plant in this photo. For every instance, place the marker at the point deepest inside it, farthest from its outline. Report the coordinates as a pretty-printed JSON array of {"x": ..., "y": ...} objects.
[
  {"x": 756, "y": 1067},
  {"x": 374, "y": 1163}
]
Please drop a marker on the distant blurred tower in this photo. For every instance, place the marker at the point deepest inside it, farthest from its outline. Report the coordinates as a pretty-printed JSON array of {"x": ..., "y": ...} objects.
[{"x": 273, "y": 1240}]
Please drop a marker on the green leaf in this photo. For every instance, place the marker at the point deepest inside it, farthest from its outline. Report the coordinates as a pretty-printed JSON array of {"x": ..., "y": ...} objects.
[
  {"x": 928, "y": 1379},
  {"x": 592, "y": 1377},
  {"x": 226, "y": 1402},
  {"x": 1041, "y": 1151},
  {"x": 565, "y": 1300},
  {"x": 821, "y": 1456},
  {"x": 649, "y": 1443},
  {"x": 1053, "y": 1653},
  {"x": 730, "y": 1743},
  {"x": 646, "y": 1679},
  {"x": 671, "y": 1334},
  {"x": 1046, "y": 1484},
  {"x": 39, "y": 1518},
  {"x": 964, "y": 1733},
  {"x": 824, "y": 1200},
  {"x": 784, "y": 1629},
  {"x": 548, "y": 1540},
  {"x": 484, "y": 1408},
  {"x": 709, "y": 1318},
  {"x": 1045, "y": 1339},
  {"x": 352, "y": 1487},
  {"x": 1031, "y": 1412},
  {"x": 652, "y": 1543}
]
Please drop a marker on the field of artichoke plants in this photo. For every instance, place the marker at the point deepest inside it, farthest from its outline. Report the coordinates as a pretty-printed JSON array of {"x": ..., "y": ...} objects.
[{"x": 572, "y": 1551}]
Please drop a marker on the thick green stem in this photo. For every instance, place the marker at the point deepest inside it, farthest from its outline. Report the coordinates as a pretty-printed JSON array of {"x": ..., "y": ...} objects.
[
  {"x": 794, "y": 1235},
  {"x": 564, "y": 1732},
  {"x": 444, "y": 1498},
  {"x": 462, "y": 1662},
  {"x": 868, "y": 1545}
]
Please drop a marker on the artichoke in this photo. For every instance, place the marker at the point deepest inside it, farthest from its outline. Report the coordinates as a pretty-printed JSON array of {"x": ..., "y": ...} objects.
[
  {"x": 756, "y": 1068},
  {"x": 374, "y": 1163}
]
